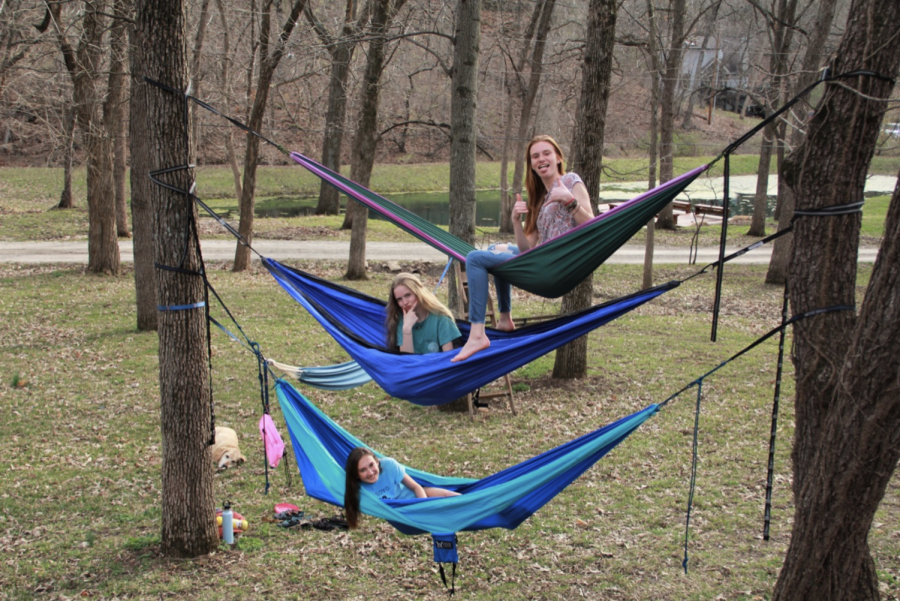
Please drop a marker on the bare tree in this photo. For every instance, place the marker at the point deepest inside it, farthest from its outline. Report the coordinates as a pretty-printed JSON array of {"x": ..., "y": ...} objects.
[
  {"x": 781, "y": 22},
  {"x": 587, "y": 152},
  {"x": 188, "y": 504},
  {"x": 654, "y": 70},
  {"x": 670, "y": 78},
  {"x": 270, "y": 54},
  {"x": 686, "y": 122},
  {"x": 66, "y": 200},
  {"x": 847, "y": 365},
  {"x": 341, "y": 48},
  {"x": 114, "y": 110},
  {"x": 84, "y": 64},
  {"x": 141, "y": 209},
  {"x": 366, "y": 139},
  {"x": 538, "y": 28}
]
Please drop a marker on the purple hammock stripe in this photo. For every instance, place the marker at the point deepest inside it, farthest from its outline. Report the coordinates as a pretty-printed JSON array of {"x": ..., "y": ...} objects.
[{"x": 314, "y": 167}]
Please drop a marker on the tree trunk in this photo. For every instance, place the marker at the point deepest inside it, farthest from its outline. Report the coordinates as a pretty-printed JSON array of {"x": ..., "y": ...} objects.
[
  {"x": 653, "y": 52},
  {"x": 225, "y": 86},
  {"x": 536, "y": 67},
  {"x": 269, "y": 56},
  {"x": 83, "y": 65},
  {"x": 515, "y": 91},
  {"x": 587, "y": 157},
  {"x": 778, "y": 264},
  {"x": 141, "y": 209},
  {"x": 464, "y": 93},
  {"x": 847, "y": 435},
  {"x": 782, "y": 27},
  {"x": 760, "y": 199},
  {"x": 114, "y": 111},
  {"x": 66, "y": 201},
  {"x": 341, "y": 48},
  {"x": 667, "y": 101},
  {"x": 188, "y": 503},
  {"x": 329, "y": 199},
  {"x": 366, "y": 140}
]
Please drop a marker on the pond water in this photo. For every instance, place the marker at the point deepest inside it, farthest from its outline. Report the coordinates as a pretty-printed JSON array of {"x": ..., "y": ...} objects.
[{"x": 435, "y": 206}]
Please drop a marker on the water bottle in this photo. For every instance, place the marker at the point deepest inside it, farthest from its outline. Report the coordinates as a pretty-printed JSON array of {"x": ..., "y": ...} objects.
[{"x": 227, "y": 523}]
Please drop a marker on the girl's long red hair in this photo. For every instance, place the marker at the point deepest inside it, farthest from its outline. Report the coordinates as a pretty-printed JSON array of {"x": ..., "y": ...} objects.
[{"x": 534, "y": 185}]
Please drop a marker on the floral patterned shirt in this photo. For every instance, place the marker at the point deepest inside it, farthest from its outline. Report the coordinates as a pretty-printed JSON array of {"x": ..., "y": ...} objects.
[{"x": 554, "y": 219}]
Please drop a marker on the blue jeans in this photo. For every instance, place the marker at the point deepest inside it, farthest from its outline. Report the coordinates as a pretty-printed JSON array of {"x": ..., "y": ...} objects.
[{"x": 477, "y": 264}]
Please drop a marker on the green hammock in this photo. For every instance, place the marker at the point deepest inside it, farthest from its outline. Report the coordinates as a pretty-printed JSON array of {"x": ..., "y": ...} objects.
[{"x": 550, "y": 269}]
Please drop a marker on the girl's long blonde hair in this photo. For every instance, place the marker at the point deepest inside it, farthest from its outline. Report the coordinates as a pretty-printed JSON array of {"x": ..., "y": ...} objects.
[
  {"x": 534, "y": 185},
  {"x": 427, "y": 300}
]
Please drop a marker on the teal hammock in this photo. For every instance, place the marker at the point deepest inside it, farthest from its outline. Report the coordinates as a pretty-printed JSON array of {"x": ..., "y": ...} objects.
[{"x": 502, "y": 500}]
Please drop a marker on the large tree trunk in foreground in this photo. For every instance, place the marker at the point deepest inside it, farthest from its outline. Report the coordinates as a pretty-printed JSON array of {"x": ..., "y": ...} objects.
[
  {"x": 188, "y": 503},
  {"x": 464, "y": 93},
  {"x": 587, "y": 157},
  {"x": 847, "y": 436}
]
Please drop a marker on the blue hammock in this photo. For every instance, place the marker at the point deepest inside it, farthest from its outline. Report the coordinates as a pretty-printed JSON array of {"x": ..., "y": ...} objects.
[
  {"x": 356, "y": 322},
  {"x": 502, "y": 500}
]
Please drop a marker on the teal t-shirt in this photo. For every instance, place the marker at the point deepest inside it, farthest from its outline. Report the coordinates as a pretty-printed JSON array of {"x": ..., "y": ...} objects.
[{"x": 430, "y": 334}]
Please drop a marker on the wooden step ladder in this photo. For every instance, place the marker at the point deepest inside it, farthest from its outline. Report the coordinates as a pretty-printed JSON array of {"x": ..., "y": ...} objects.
[{"x": 462, "y": 288}]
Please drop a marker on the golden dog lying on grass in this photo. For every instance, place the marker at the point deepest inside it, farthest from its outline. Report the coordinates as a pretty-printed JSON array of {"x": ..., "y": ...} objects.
[{"x": 225, "y": 451}]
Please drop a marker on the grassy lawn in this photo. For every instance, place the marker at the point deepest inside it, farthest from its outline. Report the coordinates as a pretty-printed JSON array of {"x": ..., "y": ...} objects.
[{"x": 80, "y": 493}]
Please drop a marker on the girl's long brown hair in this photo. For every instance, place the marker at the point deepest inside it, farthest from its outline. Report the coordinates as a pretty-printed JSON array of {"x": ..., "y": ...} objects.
[
  {"x": 427, "y": 300},
  {"x": 351, "y": 490},
  {"x": 534, "y": 185}
]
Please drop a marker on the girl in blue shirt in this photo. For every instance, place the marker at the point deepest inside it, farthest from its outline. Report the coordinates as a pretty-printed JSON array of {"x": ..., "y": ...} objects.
[{"x": 386, "y": 479}]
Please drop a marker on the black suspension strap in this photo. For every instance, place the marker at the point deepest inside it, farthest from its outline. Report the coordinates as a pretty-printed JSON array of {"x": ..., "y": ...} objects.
[
  {"x": 770, "y": 472},
  {"x": 737, "y": 143},
  {"x": 699, "y": 384}
]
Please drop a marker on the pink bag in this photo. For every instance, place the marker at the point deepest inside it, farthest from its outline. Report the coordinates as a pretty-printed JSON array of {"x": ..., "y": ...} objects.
[{"x": 272, "y": 440}]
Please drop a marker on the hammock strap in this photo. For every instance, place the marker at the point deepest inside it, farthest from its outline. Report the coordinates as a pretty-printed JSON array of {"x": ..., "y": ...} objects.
[
  {"x": 452, "y": 587},
  {"x": 770, "y": 475},
  {"x": 734, "y": 145},
  {"x": 263, "y": 375},
  {"x": 699, "y": 384},
  {"x": 720, "y": 273},
  {"x": 687, "y": 521},
  {"x": 832, "y": 211}
]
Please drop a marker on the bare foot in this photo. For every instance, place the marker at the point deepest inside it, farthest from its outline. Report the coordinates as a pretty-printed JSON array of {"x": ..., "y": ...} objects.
[
  {"x": 506, "y": 324},
  {"x": 472, "y": 346}
]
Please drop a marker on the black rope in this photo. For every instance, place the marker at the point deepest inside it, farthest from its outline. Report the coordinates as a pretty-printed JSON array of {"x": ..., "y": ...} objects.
[
  {"x": 720, "y": 274},
  {"x": 737, "y": 143},
  {"x": 770, "y": 475},
  {"x": 690, "y": 503},
  {"x": 699, "y": 384}
]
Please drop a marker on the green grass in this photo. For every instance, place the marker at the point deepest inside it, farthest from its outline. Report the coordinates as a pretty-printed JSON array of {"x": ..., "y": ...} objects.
[{"x": 79, "y": 499}]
